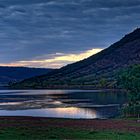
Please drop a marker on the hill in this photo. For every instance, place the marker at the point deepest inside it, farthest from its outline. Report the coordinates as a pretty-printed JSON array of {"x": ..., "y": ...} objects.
[
  {"x": 16, "y": 74},
  {"x": 97, "y": 71}
]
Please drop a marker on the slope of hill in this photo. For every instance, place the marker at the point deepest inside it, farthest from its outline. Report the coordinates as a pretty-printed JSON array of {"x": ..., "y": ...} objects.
[
  {"x": 98, "y": 70},
  {"x": 15, "y": 74}
]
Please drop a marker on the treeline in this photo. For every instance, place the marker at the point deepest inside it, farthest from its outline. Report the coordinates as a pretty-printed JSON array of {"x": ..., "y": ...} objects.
[{"x": 129, "y": 79}]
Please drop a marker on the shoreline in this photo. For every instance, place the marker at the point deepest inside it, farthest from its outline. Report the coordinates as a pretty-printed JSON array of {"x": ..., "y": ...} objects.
[
  {"x": 39, "y": 128},
  {"x": 128, "y": 125},
  {"x": 90, "y": 89}
]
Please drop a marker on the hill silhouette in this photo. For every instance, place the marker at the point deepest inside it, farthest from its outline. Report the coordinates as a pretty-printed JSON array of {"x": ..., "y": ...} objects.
[{"x": 98, "y": 70}]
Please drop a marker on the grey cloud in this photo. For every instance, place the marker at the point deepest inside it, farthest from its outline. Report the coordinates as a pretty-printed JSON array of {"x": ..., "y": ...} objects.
[{"x": 35, "y": 28}]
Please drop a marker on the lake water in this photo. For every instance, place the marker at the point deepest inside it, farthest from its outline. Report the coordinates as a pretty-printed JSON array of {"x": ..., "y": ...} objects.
[{"x": 87, "y": 104}]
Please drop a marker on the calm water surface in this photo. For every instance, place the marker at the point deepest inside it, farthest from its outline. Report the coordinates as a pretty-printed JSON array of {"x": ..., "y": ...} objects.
[{"x": 61, "y": 103}]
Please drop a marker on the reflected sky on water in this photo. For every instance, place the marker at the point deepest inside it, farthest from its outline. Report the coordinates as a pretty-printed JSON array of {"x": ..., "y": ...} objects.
[{"x": 61, "y": 103}]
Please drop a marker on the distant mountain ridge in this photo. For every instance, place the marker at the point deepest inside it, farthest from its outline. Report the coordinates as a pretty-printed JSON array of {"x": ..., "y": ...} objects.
[
  {"x": 16, "y": 74},
  {"x": 98, "y": 70}
]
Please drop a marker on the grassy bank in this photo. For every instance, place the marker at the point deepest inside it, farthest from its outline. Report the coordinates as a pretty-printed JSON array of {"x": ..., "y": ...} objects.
[
  {"x": 63, "y": 133},
  {"x": 28, "y": 128}
]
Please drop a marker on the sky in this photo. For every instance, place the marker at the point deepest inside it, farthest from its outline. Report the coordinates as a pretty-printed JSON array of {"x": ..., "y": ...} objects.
[{"x": 54, "y": 33}]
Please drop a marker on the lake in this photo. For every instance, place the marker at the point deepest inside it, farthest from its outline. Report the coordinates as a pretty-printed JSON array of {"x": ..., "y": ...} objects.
[{"x": 85, "y": 104}]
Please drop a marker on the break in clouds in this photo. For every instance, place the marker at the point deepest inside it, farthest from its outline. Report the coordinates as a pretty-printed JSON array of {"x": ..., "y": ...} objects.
[{"x": 53, "y": 33}]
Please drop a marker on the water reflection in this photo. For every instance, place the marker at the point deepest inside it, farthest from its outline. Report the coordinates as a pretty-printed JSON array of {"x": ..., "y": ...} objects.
[
  {"x": 71, "y": 112},
  {"x": 61, "y": 103}
]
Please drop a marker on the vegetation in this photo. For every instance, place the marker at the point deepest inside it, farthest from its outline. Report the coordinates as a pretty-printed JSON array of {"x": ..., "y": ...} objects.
[
  {"x": 63, "y": 133},
  {"x": 24, "y": 128},
  {"x": 130, "y": 79}
]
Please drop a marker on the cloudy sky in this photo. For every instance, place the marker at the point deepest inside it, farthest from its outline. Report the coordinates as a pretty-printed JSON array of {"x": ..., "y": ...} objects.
[{"x": 53, "y": 33}]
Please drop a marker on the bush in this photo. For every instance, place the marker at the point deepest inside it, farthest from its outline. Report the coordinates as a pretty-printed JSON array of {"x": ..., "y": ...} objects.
[{"x": 129, "y": 79}]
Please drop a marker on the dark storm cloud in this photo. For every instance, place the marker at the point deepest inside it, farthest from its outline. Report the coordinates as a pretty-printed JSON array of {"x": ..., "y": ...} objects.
[{"x": 31, "y": 29}]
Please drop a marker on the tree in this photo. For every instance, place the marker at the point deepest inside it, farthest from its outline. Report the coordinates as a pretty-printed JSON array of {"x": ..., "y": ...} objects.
[
  {"x": 103, "y": 83},
  {"x": 129, "y": 79}
]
